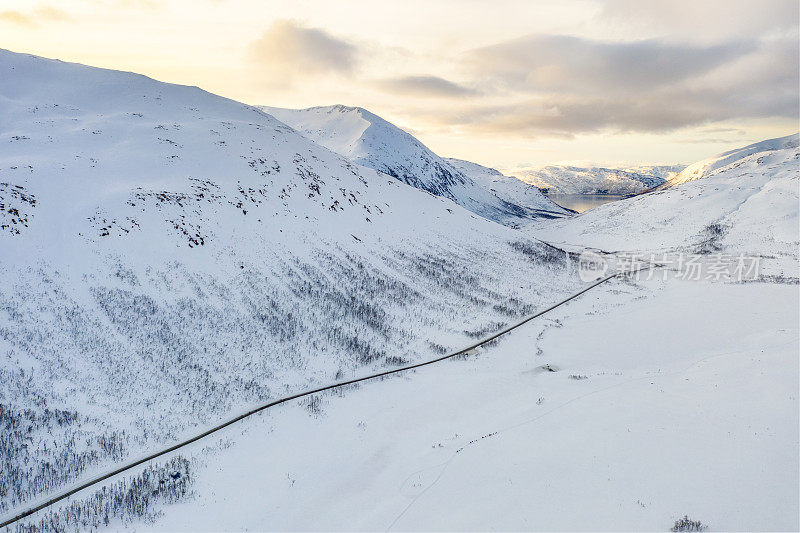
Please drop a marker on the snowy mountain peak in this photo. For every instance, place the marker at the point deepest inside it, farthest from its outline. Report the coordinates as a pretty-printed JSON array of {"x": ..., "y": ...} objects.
[{"x": 369, "y": 140}]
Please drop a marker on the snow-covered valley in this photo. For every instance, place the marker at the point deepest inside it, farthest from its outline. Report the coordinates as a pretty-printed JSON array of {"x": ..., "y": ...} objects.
[
  {"x": 172, "y": 258},
  {"x": 636, "y": 427}
]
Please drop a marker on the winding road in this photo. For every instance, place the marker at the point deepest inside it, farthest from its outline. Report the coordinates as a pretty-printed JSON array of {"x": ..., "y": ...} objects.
[{"x": 18, "y": 515}]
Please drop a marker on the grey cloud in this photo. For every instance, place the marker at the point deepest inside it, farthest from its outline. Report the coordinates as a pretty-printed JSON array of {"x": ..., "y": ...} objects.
[
  {"x": 707, "y": 141},
  {"x": 732, "y": 131},
  {"x": 562, "y": 86},
  {"x": 543, "y": 63},
  {"x": 424, "y": 86},
  {"x": 661, "y": 111},
  {"x": 288, "y": 50}
]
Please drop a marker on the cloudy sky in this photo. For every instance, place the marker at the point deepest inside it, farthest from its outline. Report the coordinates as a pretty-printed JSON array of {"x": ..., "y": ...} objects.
[{"x": 507, "y": 83}]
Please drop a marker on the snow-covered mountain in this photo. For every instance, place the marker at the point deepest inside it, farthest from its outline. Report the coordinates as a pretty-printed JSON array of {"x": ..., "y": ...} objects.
[
  {"x": 648, "y": 400},
  {"x": 170, "y": 257},
  {"x": 367, "y": 139},
  {"x": 514, "y": 190},
  {"x": 743, "y": 203},
  {"x": 598, "y": 180},
  {"x": 705, "y": 167}
]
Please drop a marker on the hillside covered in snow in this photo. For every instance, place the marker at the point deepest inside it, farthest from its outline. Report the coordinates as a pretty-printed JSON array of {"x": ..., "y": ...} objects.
[
  {"x": 367, "y": 139},
  {"x": 652, "y": 403},
  {"x": 743, "y": 202},
  {"x": 598, "y": 180},
  {"x": 171, "y": 257},
  {"x": 706, "y": 167}
]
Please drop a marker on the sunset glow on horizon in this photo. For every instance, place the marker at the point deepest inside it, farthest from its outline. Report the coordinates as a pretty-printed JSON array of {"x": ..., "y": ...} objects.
[{"x": 511, "y": 85}]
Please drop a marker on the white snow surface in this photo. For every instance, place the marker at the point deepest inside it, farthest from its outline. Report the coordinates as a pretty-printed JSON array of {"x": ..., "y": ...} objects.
[
  {"x": 640, "y": 424},
  {"x": 369, "y": 140},
  {"x": 171, "y": 257},
  {"x": 598, "y": 180}
]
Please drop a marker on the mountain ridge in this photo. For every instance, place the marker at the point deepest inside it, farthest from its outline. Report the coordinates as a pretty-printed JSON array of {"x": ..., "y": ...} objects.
[
  {"x": 704, "y": 167},
  {"x": 367, "y": 139}
]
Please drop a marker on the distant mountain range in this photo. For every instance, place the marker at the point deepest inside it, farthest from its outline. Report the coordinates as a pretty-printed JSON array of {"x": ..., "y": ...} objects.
[
  {"x": 598, "y": 180},
  {"x": 634, "y": 180}
]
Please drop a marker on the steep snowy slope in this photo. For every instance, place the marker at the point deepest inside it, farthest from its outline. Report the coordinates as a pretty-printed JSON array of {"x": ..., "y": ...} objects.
[
  {"x": 512, "y": 189},
  {"x": 369, "y": 140},
  {"x": 170, "y": 257},
  {"x": 598, "y": 180},
  {"x": 748, "y": 206},
  {"x": 700, "y": 169}
]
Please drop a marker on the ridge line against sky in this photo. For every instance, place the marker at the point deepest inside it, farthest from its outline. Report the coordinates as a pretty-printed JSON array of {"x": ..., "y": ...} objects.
[{"x": 520, "y": 85}]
